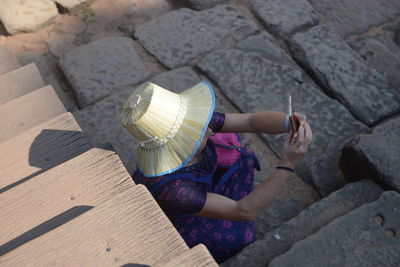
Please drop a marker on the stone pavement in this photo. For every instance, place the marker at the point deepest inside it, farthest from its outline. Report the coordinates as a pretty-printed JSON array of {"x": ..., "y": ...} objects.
[{"x": 340, "y": 61}]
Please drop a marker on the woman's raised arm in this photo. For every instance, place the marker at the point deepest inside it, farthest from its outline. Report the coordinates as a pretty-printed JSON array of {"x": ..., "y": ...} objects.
[{"x": 269, "y": 122}]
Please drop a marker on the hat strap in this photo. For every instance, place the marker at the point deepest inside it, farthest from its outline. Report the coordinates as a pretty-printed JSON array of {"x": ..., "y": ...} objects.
[{"x": 142, "y": 143}]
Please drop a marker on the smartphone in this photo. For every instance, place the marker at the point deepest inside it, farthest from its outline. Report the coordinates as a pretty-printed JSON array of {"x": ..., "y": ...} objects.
[{"x": 294, "y": 123}]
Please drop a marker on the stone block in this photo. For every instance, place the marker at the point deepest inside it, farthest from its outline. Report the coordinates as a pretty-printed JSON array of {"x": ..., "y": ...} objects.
[
  {"x": 375, "y": 155},
  {"x": 308, "y": 222},
  {"x": 367, "y": 236},
  {"x": 382, "y": 52},
  {"x": 356, "y": 16},
  {"x": 284, "y": 17},
  {"x": 366, "y": 92},
  {"x": 102, "y": 67},
  {"x": 182, "y": 35},
  {"x": 101, "y": 121},
  {"x": 26, "y": 16},
  {"x": 254, "y": 83}
]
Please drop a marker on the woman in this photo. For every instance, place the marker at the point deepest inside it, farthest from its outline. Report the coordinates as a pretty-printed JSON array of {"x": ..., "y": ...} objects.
[{"x": 202, "y": 181}]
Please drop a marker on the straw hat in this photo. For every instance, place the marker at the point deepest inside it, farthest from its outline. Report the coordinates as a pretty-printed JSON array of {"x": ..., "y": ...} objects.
[{"x": 169, "y": 127}]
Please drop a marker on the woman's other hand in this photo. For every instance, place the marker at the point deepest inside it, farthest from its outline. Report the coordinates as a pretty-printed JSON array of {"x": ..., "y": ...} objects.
[{"x": 296, "y": 145}]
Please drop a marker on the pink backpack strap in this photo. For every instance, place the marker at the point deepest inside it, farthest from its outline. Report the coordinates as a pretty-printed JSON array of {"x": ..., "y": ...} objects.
[{"x": 227, "y": 146}]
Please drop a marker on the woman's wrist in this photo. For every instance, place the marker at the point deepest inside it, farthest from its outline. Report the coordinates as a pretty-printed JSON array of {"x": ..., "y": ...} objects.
[{"x": 286, "y": 163}]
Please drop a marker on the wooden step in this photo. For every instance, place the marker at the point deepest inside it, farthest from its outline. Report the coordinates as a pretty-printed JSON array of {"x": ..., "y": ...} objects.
[
  {"x": 8, "y": 61},
  {"x": 198, "y": 256},
  {"x": 27, "y": 111},
  {"x": 128, "y": 229},
  {"x": 88, "y": 179},
  {"x": 40, "y": 148},
  {"x": 20, "y": 82}
]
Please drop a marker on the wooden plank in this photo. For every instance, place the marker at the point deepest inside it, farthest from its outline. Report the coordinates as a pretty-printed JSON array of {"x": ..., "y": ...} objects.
[
  {"x": 128, "y": 229},
  {"x": 27, "y": 111},
  {"x": 40, "y": 148},
  {"x": 88, "y": 179},
  {"x": 8, "y": 61},
  {"x": 198, "y": 256},
  {"x": 20, "y": 82}
]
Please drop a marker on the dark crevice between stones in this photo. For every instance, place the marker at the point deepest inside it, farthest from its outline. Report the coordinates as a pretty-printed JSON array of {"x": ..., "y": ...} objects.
[
  {"x": 355, "y": 166},
  {"x": 69, "y": 86},
  {"x": 180, "y": 4},
  {"x": 3, "y": 30},
  {"x": 61, "y": 9}
]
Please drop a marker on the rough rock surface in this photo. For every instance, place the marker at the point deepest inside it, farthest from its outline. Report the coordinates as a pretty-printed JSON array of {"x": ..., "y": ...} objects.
[
  {"x": 366, "y": 92},
  {"x": 100, "y": 68},
  {"x": 203, "y": 4},
  {"x": 382, "y": 52},
  {"x": 181, "y": 35},
  {"x": 356, "y": 16},
  {"x": 26, "y": 16},
  {"x": 367, "y": 236},
  {"x": 264, "y": 44},
  {"x": 283, "y": 17},
  {"x": 254, "y": 83},
  {"x": 101, "y": 121},
  {"x": 375, "y": 155},
  {"x": 309, "y": 221}
]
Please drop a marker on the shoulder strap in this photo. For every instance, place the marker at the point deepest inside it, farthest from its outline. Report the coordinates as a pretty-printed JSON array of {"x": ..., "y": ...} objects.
[{"x": 207, "y": 179}]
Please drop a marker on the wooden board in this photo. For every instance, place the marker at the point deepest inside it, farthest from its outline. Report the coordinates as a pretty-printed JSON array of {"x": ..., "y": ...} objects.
[
  {"x": 128, "y": 229},
  {"x": 27, "y": 111},
  {"x": 198, "y": 256},
  {"x": 88, "y": 179},
  {"x": 40, "y": 148},
  {"x": 8, "y": 62},
  {"x": 20, "y": 82}
]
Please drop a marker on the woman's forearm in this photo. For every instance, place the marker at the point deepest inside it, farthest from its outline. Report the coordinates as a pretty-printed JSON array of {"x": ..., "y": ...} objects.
[
  {"x": 262, "y": 196},
  {"x": 270, "y": 122}
]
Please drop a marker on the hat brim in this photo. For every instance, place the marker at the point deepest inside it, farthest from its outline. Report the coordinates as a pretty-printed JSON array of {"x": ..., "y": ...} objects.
[{"x": 181, "y": 149}]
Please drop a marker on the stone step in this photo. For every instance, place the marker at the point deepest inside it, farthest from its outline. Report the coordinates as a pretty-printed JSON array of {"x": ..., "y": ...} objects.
[
  {"x": 19, "y": 82},
  {"x": 375, "y": 155},
  {"x": 8, "y": 61},
  {"x": 367, "y": 236},
  {"x": 198, "y": 256},
  {"x": 27, "y": 111},
  {"x": 309, "y": 221},
  {"x": 127, "y": 230},
  {"x": 39, "y": 149},
  {"x": 88, "y": 179}
]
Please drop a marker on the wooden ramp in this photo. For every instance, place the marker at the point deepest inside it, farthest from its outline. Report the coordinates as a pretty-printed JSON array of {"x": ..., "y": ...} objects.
[
  {"x": 39, "y": 149},
  {"x": 28, "y": 111},
  {"x": 65, "y": 203},
  {"x": 19, "y": 82}
]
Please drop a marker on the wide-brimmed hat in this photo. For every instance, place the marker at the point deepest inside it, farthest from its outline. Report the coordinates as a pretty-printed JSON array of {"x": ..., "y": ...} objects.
[{"x": 169, "y": 127}]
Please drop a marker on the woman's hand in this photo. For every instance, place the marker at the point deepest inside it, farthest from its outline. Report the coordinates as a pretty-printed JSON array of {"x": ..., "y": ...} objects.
[{"x": 296, "y": 145}]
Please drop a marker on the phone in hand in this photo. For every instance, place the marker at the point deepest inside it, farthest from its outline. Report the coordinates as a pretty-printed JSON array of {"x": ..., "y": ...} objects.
[{"x": 294, "y": 122}]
